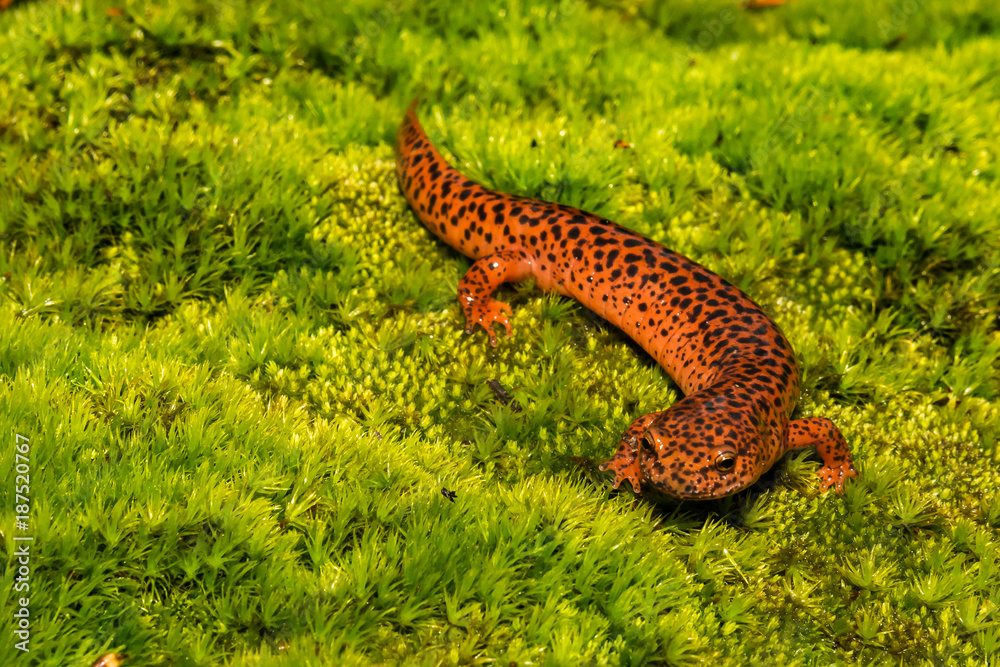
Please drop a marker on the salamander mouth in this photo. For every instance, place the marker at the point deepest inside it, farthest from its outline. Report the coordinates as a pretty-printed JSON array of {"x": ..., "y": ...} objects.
[
  {"x": 697, "y": 495},
  {"x": 712, "y": 490}
]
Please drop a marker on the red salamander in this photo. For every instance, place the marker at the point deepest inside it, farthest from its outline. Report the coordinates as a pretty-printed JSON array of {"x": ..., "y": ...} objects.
[{"x": 737, "y": 371}]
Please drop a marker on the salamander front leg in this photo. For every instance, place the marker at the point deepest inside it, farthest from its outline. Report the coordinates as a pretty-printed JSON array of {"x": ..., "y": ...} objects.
[
  {"x": 823, "y": 434},
  {"x": 475, "y": 290},
  {"x": 625, "y": 461}
]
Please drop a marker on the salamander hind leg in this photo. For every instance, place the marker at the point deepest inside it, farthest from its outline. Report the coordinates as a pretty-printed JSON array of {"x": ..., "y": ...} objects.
[
  {"x": 625, "y": 462},
  {"x": 476, "y": 288},
  {"x": 819, "y": 432}
]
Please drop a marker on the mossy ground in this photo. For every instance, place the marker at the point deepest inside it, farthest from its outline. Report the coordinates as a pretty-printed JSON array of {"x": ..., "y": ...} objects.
[{"x": 239, "y": 359}]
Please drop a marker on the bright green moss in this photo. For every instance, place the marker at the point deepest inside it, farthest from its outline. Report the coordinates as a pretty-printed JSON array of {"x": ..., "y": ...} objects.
[{"x": 242, "y": 368}]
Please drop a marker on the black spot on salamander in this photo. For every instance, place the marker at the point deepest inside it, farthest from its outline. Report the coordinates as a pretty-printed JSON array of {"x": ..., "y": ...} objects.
[{"x": 701, "y": 277}]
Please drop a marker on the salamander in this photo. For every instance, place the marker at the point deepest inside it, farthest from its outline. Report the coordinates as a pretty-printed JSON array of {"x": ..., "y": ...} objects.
[{"x": 738, "y": 373}]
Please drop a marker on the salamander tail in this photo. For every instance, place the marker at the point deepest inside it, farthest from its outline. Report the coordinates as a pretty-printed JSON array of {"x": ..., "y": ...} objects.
[
  {"x": 410, "y": 132},
  {"x": 426, "y": 178}
]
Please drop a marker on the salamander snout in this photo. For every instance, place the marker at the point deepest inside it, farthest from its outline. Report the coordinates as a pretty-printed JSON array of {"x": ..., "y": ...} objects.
[{"x": 692, "y": 460}]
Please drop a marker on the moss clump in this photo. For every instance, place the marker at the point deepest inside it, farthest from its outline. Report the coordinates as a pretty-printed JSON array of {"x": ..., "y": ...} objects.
[{"x": 240, "y": 365}]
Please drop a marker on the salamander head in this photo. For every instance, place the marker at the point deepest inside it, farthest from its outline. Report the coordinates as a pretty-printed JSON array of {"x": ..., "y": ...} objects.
[{"x": 702, "y": 450}]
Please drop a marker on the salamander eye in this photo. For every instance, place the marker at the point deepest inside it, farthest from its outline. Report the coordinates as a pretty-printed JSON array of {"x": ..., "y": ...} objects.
[
  {"x": 725, "y": 462},
  {"x": 650, "y": 440}
]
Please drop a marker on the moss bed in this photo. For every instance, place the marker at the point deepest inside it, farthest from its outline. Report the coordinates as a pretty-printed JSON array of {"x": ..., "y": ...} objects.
[{"x": 239, "y": 365}]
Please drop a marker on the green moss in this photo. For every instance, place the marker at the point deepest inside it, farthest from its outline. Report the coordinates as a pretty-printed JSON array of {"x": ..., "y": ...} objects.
[{"x": 240, "y": 364}]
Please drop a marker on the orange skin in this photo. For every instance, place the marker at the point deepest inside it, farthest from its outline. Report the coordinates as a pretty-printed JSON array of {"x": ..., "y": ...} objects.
[{"x": 736, "y": 368}]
